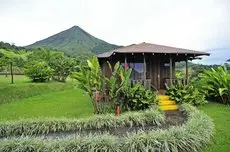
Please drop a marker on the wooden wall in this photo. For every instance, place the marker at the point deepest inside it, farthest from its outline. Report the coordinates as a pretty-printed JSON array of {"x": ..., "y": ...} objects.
[{"x": 158, "y": 71}]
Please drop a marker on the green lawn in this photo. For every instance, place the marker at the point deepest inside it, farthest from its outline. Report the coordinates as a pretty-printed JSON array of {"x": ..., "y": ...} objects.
[
  {"x": 29, "y": 100},
  {"x": 18, "y": 80},
  {"x": 67, "y": 103},
  {"x": 72, "y": 103},
  {"x": 221, "y": 116}
]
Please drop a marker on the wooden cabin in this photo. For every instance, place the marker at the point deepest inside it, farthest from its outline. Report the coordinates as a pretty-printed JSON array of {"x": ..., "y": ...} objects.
[{"x": 152, "y": 65}]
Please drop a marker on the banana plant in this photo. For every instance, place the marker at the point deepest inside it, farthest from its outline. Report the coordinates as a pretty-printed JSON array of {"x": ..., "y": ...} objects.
[
  {"x": 92, "y": 81},
  {"x": 217, "y": 84},
  {"x": 114, "y": 85},
  {"x": 186, "y": 94}
]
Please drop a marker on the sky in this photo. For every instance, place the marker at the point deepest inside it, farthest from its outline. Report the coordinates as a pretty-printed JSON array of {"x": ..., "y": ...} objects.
[{"x": 193, "y": 24}]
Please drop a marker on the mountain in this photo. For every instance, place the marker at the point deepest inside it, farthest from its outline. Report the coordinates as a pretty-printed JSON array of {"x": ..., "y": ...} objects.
[{"x": 74, "y": 41}]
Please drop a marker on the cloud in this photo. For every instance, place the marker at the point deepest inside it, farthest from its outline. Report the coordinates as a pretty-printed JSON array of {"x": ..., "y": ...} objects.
[{"x": 195, "y": 24}]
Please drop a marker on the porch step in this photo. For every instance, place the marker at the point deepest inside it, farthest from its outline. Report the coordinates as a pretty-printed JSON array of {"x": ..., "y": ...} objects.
[
  {"x": 169, "y": 107},
  {"x": 163, "y": 97},
  {"x": 166, "y": 102}
]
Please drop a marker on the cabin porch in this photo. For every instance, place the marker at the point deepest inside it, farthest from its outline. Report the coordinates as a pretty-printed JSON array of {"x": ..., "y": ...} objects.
[{"x": 149, "y": 69}]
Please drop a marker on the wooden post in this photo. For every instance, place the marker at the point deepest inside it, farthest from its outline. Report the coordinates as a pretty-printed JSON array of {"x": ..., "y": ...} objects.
[
  {"x": 158, "y": 74},
  {"x": 171, "y": 70},
  {"x": 186, "y": 72},
  {"x": 126, "y": 64},
  {"x": 144, "y": 67}
]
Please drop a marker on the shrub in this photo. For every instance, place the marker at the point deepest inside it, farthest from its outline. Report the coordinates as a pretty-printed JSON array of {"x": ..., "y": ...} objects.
[
  {"x": 44, "y": 126},
  {"x": 38, "y": 71},
  {"x": 216, "y": 83},
  {"x": 186, "y": 94},
  {"x": 191, "y": 136},
  {"x": 138, "y": 98}
]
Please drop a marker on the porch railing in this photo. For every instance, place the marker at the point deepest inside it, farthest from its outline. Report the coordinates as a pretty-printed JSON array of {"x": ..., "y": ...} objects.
[
  {"x": 175, "y": 81},
  {"x": 147, "y": 83}
]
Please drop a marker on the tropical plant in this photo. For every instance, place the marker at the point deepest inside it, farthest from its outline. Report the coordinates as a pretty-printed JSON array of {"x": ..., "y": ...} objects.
[
  {"x": 216, "y": 83},
  {"x": 138, "y": 98},
  {"x": 119, "y": 83},
  {"x": 121, "y": 93},
  {"x": 114, "y": 90},
  {"x": 92, "y": 81},
  {"x": 114, "y": 84},
  {"x": 38, "y": 71},
  {"x": 186, "y": 94}
]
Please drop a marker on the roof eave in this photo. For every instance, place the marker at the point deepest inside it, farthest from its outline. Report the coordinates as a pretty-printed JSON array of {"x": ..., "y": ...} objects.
[{"x": 110, "y": 54}]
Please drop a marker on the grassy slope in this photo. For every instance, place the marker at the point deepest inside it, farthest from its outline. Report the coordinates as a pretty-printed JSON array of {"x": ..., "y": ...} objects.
[
  {"x": 70, "y": 102},
  {"x": 221, "y": 116},
  {"x": 23, "y": 88},
  {"x": 18, "y": 79}
]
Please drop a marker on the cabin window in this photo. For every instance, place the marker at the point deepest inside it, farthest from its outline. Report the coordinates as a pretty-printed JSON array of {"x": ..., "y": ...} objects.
[
  {"x": 166, "y": 64},
  {"x": 138, "y": 70}
]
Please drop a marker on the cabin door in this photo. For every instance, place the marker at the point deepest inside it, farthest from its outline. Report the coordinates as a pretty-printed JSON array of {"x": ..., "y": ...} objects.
[{"x": 164, "y": 73}]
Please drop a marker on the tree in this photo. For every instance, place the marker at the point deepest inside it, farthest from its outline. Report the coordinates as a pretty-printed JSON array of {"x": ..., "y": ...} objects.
[
  {"x": 62, "y": 66},
  {"x": 10, "y": 58},
  {"x": 38, "y": 71}
]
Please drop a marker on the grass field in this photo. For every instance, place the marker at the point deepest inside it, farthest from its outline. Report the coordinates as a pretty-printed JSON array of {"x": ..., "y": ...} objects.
[
  {"x": 221, "y": 116},
  {"x": 18, "y": 80},
  {"x": 72, "y": 103},
  {"x": 47, "y": 101},
  {"x": 67, "y": 103}
]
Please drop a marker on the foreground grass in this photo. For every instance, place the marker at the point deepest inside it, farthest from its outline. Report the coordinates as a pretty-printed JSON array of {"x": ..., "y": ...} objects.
[
  {"x": 23, "y": 88},
  {"x": 221, "y": 115},
  {"x": 66, "y": 103}
]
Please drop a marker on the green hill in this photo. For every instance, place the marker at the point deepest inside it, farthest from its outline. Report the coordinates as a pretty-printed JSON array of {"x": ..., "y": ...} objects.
[
  {"x": 8, "y": 46},
  {"x": 74, "y": 41}
]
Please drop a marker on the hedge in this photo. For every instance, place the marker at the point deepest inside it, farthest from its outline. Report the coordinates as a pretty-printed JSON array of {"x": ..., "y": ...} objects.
[
  {"x": 190, "y": 137},
  {"x": 43, "y": 126}
]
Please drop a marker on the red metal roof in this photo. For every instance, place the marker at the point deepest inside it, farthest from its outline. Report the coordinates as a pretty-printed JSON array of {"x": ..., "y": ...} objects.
[{"x": 151, "y": 48}]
